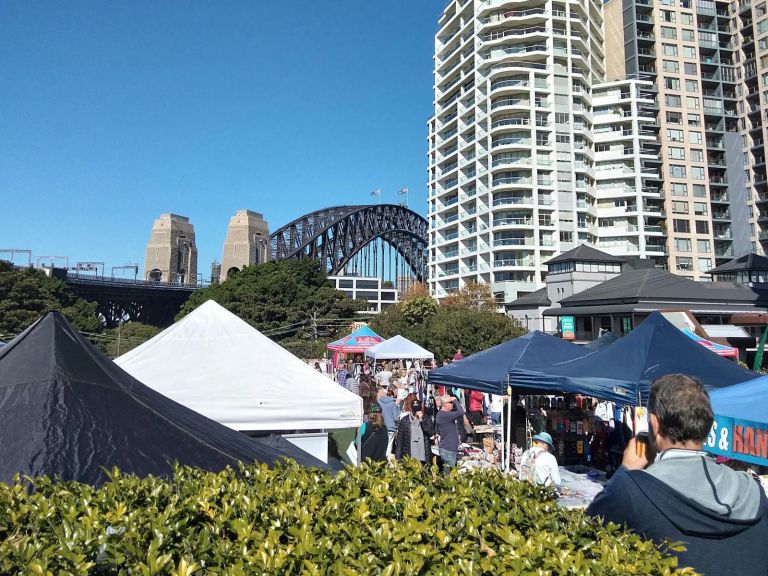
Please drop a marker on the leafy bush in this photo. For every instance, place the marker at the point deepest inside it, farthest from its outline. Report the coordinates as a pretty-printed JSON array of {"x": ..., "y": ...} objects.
[{"x": 291, "y": 520}]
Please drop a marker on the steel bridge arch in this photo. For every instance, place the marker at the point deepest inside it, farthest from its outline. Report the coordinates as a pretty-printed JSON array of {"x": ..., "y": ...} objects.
[{"x": 334, "y": 235}]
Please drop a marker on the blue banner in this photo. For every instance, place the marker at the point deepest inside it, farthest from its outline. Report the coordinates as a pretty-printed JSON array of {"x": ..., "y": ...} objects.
[{"x": 738, "y": 439}]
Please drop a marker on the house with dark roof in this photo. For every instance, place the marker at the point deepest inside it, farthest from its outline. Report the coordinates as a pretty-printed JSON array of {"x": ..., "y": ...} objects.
[
  {"x": 569, "y": 273},
  {"x": 602, "y": 293},
  {"x": 749, "y": 269}
]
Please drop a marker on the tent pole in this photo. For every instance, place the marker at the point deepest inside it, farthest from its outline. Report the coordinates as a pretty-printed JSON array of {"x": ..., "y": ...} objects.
[
  {"x": 509, "y": 424},
  {"x": 359, "y": 445},
  {"x": 503, "y": 455}
]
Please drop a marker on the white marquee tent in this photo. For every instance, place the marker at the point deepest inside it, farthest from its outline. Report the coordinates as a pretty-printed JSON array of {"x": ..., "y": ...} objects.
[
  {"x": 398, "y": 347},
  {"x": 220, "y": 366}
]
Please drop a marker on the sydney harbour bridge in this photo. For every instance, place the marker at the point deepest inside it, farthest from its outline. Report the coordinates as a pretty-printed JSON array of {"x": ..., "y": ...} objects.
[{"x": 365, "y": 240}]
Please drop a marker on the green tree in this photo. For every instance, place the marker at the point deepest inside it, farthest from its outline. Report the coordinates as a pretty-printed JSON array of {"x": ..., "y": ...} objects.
[
  {"x": 287, "y": 299},
  {"x": 118, "y": 341},
  {"x": 468, "y": 321},
  {"x": 475, "y": 295},
  {"x": 27, "y": 294}
]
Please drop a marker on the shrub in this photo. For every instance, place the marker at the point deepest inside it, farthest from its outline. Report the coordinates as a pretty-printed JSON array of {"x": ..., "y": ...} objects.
[{"x": 291, "y": 520}]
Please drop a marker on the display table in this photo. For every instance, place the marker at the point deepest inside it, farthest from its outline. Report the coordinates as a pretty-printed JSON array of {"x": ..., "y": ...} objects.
[{"x": 580, "y": 486}]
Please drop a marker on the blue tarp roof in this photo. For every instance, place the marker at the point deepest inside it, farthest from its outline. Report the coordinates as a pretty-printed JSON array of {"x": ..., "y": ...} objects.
[
  {"x": 628, "y": 366},
  {"x": 746, "y": 401},
  {"x": 487, "y": 370}
]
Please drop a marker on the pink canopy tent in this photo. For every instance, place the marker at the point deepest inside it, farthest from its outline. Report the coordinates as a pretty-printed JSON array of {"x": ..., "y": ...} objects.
[
  {"x": 356, "y": 343},
  {"x": 719, "y": 349}
]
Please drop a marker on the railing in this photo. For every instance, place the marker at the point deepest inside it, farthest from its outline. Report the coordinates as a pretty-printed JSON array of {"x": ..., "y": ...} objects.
[
  {"x": 513, "y": 242},
  {"x": 513, "y": 200},
  {"x": 513, "y": 222},
  {"x": 511, "y": 180}
]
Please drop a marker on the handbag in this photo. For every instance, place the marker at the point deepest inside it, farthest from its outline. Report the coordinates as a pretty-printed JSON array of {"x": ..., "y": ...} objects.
[{"x": 468, "y": 426}]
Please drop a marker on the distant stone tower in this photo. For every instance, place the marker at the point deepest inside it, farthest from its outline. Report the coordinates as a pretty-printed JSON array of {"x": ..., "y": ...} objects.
[
  {"x": 171, "y": 251},
  {"x": 247, "y": 242}
]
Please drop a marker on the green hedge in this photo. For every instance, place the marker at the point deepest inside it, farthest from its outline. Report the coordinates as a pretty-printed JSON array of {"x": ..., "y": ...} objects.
[{"x": 291, "y": 520}]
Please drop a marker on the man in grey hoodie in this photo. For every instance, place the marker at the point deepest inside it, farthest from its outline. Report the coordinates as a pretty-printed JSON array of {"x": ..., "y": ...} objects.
[
  {"x": 720, "y": 515},
  {"x": 390, "y": 410}
]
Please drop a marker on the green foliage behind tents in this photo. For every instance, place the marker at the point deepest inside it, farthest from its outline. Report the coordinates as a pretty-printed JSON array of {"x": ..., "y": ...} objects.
[
  {"x": 292, "y": 301},
  {"x": 291, "y": 520},
  {"x": 27, "y": 294}
]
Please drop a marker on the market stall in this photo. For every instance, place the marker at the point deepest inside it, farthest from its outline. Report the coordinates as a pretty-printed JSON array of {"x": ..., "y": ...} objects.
[
  {"x": 623, "y": 371},
  {"x": 740, "y": 430},
  {"x": 219, "y": 365},
  {"x": 355, "y": 343},
  {"x": 398, "y": 348}
]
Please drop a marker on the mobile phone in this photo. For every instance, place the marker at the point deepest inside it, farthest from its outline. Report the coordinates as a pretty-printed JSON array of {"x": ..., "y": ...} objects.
[{"x": 641, "y": 444}]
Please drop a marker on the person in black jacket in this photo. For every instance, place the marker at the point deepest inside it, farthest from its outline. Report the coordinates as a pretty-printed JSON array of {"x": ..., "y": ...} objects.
[
  {"x": 413, "y": 434},
  {"x": 374, "y": 442},
  {"x": 718, "y": 514}
]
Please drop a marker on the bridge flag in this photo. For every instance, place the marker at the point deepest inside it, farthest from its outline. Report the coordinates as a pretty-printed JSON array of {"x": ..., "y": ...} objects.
[{"x": 377, "y": 193}]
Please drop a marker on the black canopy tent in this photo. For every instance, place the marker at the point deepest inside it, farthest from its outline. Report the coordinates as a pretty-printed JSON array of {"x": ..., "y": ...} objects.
[{"x": 68, "y": 411}]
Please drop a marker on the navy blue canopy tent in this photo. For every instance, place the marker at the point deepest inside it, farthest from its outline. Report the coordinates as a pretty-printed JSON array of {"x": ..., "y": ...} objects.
[
  {"x": 624, "y": 370},
  {"x": 741, "y": 422},
  {"x": 487, "y": 370},
  {"x": 606, "y": 339}
]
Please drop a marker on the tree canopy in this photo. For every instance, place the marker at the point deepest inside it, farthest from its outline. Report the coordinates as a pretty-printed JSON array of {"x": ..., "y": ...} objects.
[
  {"x": 468, "y": 321},
  {"x": 291, "y": 301},
  {"x": 27, "y": 294}
]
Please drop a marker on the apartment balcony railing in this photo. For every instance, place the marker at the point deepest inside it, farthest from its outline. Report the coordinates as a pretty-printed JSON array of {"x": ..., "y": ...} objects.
[
  {"x": 511, "y": 200},
  {"x": 513, "y": 242},
  {"x": 513, "y": 222}
]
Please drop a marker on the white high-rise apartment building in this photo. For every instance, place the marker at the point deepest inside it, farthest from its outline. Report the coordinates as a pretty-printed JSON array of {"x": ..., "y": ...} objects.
[{"x": 512, "y": 178}]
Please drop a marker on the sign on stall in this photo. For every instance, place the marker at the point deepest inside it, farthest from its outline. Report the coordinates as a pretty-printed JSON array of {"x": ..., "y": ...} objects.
[
  {"x": 738, "y": 439},
  {"x": 568, "y": 327}
]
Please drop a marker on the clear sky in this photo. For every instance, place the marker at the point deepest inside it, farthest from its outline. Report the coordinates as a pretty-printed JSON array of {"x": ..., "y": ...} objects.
[{"x": 112, "y": 113}]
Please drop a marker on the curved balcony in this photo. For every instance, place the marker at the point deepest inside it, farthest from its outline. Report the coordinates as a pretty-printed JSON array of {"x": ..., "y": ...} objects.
[
  {"x": 515, "y": 140},
  {"x": 511, "y": 180},
  {"x": 513, "y": 200},
  {"x": 509, "y": 85}
]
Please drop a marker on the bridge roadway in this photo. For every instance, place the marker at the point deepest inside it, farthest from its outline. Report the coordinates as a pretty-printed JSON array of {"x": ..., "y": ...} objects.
[{"x": 121, "y": 300}]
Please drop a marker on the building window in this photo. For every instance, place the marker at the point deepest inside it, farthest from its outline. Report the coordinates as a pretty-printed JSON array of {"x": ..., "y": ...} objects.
[
  {"x": 702, "y": 227},
  {"x": 672, "y": 83},
  {"x": 686, "y": 19},
  {"x": 690, "y": 69},
  {"x": 684, "y": 263},
  {"x": 682, "y": 244},
  {"x": 694, "y": 137},
  {"x": 673, "y": 101},
  {"x": 667, "y": 16},
  {"x": 681, "y": 226},
  {"x": 674, "y": 118},
  {"x": 689, "y": 52},
  {"x": 688, "y": 35},
  {"x": 679, "y": 207},
  {"x": 678, "y": 189},
  {"x": 671, "y": 66},
  {"x": 697, "y": 155},
  {"x": 677, "y": 171},
  {"x": 705, "y": 264},
  {"x": 703, "y": 246},
  {"x": 667, "y": 32},
  {"x": 694, "y": 120},
  {"x": 692, "y": 103},
  {"x": 700, "y": 208},
  {"x": 669, "y": 49},
  {"x": 697, "y": 172},
  {"x": 674, "y": 135},
  {"x": 676, "y": 153},
  {"x": 699, "y": 191}
]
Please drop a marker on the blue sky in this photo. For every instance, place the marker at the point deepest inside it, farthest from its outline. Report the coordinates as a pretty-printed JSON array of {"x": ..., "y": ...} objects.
[{"x": 112, "y": 113}]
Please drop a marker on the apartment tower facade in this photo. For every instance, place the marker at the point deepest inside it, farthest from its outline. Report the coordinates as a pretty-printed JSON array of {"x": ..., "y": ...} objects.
[
  {"x": 511, "y": 156},
  {"x": 700, "y": 56}
]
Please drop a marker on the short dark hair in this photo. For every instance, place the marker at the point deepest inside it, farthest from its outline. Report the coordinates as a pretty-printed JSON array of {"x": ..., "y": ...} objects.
[{"x": 682, "y": 407}]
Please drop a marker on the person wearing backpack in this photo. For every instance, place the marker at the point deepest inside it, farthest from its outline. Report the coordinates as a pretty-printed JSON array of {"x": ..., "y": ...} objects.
[{"x": 538, "y": 464}]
